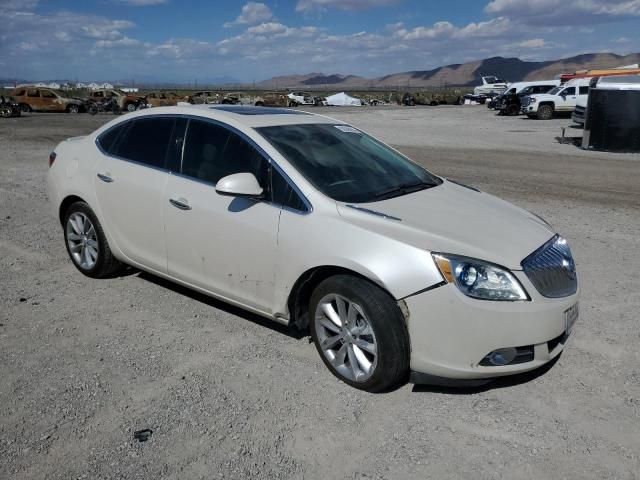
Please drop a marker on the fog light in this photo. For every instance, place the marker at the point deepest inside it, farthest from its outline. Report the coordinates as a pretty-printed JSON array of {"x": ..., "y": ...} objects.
[{"x": 502, "y": 356}]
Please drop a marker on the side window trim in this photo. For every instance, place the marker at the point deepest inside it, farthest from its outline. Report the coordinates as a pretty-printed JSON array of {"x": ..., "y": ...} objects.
[{"x": 259, "y": 149}]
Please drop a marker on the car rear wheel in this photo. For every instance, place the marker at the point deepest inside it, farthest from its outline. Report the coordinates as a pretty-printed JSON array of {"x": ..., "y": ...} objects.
[
  {"x": 73, "y": 108},
  {"x": 25, "y": 108},
  {"x": 131, "y": 107},
  {"x": 86, "y": 243},
  {"x": 360, "y": 333},
  {"x": 545, "y": 112}
]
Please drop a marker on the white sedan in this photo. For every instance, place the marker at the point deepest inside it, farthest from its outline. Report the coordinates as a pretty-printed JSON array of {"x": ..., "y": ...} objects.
[{"x": 308, "y": 221}]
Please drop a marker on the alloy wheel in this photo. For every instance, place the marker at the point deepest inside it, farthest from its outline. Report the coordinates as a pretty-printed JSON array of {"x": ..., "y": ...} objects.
[
  {"x": 346, "y": 337},
  {"x": 82, "y": 240}
]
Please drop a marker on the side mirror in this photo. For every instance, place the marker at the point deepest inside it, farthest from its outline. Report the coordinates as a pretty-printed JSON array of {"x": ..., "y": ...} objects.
[{"x": 239, "y": 185}]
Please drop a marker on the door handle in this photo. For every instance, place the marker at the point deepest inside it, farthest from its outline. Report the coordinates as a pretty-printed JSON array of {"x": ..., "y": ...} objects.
[
  {"x": 105, "y": 178},
  {"x": 180, "y": 203}
]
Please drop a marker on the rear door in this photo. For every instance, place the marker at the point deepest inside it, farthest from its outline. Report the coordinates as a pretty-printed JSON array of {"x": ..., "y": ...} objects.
[
  {"x": 50, "y": 101},
  {"x": 226, "y": 245},
  {"x": 130, "y": 181}
]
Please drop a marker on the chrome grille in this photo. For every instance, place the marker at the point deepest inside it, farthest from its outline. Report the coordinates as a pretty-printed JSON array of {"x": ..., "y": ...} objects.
[{"x": 552, "y": 270}]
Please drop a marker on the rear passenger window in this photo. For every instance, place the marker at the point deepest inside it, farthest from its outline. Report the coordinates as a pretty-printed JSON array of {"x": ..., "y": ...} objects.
[
  {"x": 584, "y": 90},
  {"x": 146, "y": 141},
  {"x": 212, "y": 152},
  {"x": 108, "y": 139}
]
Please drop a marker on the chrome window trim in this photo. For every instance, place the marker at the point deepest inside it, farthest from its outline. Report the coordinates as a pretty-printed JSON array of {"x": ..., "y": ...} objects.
[{"x": 231, "y": 128}]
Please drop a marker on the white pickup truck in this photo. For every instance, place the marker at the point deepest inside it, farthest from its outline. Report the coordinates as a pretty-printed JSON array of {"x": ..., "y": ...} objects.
[{"x": 561, "y": 99}]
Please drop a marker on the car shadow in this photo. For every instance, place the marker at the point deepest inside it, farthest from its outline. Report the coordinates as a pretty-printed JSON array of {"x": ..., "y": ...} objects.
[
  {"x": 290, "y": 331},
  {"x": 497, "y": 383}
]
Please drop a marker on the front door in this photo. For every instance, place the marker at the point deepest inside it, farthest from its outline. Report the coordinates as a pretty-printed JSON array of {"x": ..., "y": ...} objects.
[{"x": 223, "y": 244}]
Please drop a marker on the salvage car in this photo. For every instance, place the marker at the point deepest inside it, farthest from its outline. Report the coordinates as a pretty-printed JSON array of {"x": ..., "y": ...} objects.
[
  {"x": 9, "y": 107},
  {"x": 164, "y": 99},
  {"x": 301, "y": 98},
  {"x": 126, "y": 101},
  {"x": 274, "y": 99},
  {"x": 207, "y": 97},
  {"x": 397, "y": 272},
  {"x": 46, "y": 100}
]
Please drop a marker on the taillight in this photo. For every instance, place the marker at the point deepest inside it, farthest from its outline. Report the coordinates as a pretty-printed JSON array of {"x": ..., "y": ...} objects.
[{"x": 52, "y": 158}]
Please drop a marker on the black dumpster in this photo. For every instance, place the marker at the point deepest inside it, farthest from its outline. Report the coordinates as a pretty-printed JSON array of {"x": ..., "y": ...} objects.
[{"x": 612, "y": 121}]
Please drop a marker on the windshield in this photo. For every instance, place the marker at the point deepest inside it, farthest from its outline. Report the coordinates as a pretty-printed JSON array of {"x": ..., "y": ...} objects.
[
  {"x": 346, "y": 164},
  {"x": 554, "y": 90}
]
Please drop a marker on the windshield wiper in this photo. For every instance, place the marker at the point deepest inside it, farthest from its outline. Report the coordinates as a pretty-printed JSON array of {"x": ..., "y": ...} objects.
[{"x": 404, "y": 189}]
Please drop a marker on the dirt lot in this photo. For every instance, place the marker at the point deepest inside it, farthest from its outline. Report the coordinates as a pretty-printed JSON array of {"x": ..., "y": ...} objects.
[{"x": 86, "y": 362}]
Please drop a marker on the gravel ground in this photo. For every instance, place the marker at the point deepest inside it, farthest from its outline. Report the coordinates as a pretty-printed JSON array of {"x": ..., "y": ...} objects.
[{"x": 85, "y": 363}]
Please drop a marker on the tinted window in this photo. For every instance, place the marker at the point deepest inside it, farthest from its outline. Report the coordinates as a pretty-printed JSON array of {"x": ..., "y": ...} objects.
[
  {"x": 20, "y": 93},
  {"x": 347, "y": 165},
  {"x": 33, "y": 93},
  {"x": 283, "y": 194},
  {"x": 569, "y": 91},
  {"x": 108, "y": 139},
  {"x": 47, "y": 94},
  {"x": 584, "y": 90},
  {"x": 146, "y": 141},
  {"x": 212, "y": 152}
]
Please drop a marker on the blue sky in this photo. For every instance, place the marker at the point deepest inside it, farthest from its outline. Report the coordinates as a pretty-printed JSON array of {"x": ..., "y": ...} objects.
[{"x": 184, "y": 41}]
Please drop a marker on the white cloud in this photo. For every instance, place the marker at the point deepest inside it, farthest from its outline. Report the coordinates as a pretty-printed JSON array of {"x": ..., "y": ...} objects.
[
  {"x": 533, "y": 43},
  {"x": 252, "y": 13},
  {"x": 322, "y": 5},
  {"x": 564, "y": 12}
]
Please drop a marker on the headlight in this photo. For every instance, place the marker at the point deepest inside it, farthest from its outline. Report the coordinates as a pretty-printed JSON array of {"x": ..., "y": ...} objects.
[
  {"x": 533, "y": 100},
  {"x": 479, "y": 279}
]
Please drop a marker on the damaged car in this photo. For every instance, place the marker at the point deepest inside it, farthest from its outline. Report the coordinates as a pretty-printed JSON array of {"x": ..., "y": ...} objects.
[
  {"x": 35, "y": 99},
  {"x": 125, "y": 101},
  {"x": 396, "y": 272}
]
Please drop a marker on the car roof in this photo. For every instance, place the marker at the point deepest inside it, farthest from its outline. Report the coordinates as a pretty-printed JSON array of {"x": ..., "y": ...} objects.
[{"x": 249, "y": 116}]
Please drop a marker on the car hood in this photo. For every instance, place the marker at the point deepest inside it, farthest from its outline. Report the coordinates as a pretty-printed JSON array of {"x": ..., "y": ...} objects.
[{"x": 451, "y": 218}]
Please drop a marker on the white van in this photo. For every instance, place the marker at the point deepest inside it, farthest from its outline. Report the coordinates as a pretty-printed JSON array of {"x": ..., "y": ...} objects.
[{"x": 562, "y": 98}]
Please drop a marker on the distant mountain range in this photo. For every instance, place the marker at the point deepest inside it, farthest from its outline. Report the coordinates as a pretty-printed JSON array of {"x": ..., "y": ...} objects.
[{"x": 459, "y": 75}]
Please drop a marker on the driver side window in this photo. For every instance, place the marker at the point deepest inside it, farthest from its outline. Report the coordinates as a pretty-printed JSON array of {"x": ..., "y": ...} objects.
[
  {"x": 569, "y": 91},
  {"x": 212, "y": 152}
]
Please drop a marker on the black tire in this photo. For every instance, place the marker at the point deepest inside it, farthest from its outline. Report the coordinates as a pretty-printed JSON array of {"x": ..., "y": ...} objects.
[
  {"x": 92, "y": 109},
  {"x": 73, "y": 108},
  {"x": 512, "y": 110},
  {"x": 545, "y": 112},
  {"x": 385, "y": 319},
  {"x": 131, "y": 107},
  {"x": 116, "y": 110},
  {"x": 25, "y": 108},
  {"x": 105, "y": 264},
  {"x": 259, "y": 104},
  {"x": 433, "y": 103},
  {"x": 6, "y": 111}
]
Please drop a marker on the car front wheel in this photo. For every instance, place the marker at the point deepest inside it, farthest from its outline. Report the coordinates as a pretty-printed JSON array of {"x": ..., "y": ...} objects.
[
  {"x": 360, "y": 333},
  {"x": 86, "y": 243},
  {"x": 545, "y": 112}
]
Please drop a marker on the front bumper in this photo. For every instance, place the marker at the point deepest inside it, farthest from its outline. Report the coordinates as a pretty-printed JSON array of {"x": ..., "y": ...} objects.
[{"x": 451, "y": 333}]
